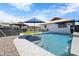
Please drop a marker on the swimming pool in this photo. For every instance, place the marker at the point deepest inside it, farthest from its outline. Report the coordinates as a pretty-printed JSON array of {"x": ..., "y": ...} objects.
[{"x": 57, "y": 44}]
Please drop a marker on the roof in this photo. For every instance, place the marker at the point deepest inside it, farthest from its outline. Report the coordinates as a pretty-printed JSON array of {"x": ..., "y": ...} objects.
[
  {"x": 19, "y": 24},
  {"x": 56, "y": 18},
  {"x": 59, "y": 20},
  {"x": 5, "y": 23}
]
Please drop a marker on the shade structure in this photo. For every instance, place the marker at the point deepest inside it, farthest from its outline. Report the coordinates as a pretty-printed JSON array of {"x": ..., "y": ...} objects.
[{"x": 34, "y": 21}]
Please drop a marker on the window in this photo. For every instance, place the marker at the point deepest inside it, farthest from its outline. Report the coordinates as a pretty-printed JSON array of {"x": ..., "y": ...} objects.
[
  {"x": 45, "y": 26},
  {"x": 62, "y": 25}
]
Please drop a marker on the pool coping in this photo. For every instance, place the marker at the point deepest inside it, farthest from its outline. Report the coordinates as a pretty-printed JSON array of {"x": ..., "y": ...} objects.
[
  {"x": 75, "y": 44},
  {"x": 27, "y": 48}
]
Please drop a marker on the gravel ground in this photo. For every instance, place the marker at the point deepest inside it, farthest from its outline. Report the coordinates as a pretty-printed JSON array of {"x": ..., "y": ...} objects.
[{"x": 7, "y": 47}]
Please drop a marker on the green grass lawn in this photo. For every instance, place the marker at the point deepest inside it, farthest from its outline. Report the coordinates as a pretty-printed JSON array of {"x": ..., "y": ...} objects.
[{"x": 31, "y": 33}]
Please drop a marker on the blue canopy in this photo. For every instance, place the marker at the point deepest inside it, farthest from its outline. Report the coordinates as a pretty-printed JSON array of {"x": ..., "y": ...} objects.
[{"x": 34, "y": 20}]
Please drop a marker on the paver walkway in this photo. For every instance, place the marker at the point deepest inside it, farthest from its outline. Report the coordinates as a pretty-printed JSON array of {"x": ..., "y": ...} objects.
[{"x": 7, "y": 47}]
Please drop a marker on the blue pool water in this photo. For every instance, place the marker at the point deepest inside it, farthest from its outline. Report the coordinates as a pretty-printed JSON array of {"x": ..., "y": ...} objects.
[{"x": 57, "y": 44}]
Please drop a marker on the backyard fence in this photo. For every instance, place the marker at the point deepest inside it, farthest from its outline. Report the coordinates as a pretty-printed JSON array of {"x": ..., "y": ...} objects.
[
  {"x": 9, "y": 31},
  {"x": 76, "y": 28}
]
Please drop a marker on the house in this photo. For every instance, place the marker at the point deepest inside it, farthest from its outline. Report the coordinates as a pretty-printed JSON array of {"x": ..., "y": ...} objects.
[
  {"x": 58, "y": 25},
  {"x": 34, "y": 28},
  {"x": 21, "y": 26},
  {"x": 5, "y": 24}
]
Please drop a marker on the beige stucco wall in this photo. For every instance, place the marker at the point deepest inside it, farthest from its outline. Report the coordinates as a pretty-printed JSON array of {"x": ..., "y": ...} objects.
[{"x": 54, "y": 28}]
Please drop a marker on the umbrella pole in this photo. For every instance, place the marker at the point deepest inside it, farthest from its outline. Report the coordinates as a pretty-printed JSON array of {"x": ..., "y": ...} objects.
[{"x": 34, "y": 28}]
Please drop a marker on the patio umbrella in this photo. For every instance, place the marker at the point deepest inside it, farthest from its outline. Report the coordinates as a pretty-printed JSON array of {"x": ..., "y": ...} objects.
[{"x": 34, "y": 20}]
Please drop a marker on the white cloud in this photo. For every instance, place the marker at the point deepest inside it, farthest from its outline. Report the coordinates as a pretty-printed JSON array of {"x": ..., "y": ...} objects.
[
  {"x": 44, "y": 14},
  {"x": 48, "y": 14},
  {"x": 4, "y": 17},
  {"x": 22, "y": 6},
  {"x": 70, "y": 8}
]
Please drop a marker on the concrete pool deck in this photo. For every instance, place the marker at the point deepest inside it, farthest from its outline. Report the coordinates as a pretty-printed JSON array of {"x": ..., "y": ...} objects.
[
  {"x": 27, "y": 48},
  {"x": 7, "y": 47},
  {"x": 75, "y": 44}
]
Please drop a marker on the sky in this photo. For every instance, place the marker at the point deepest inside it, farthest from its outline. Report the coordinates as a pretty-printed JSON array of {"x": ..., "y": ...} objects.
[{"x": 19, "y": 12}]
